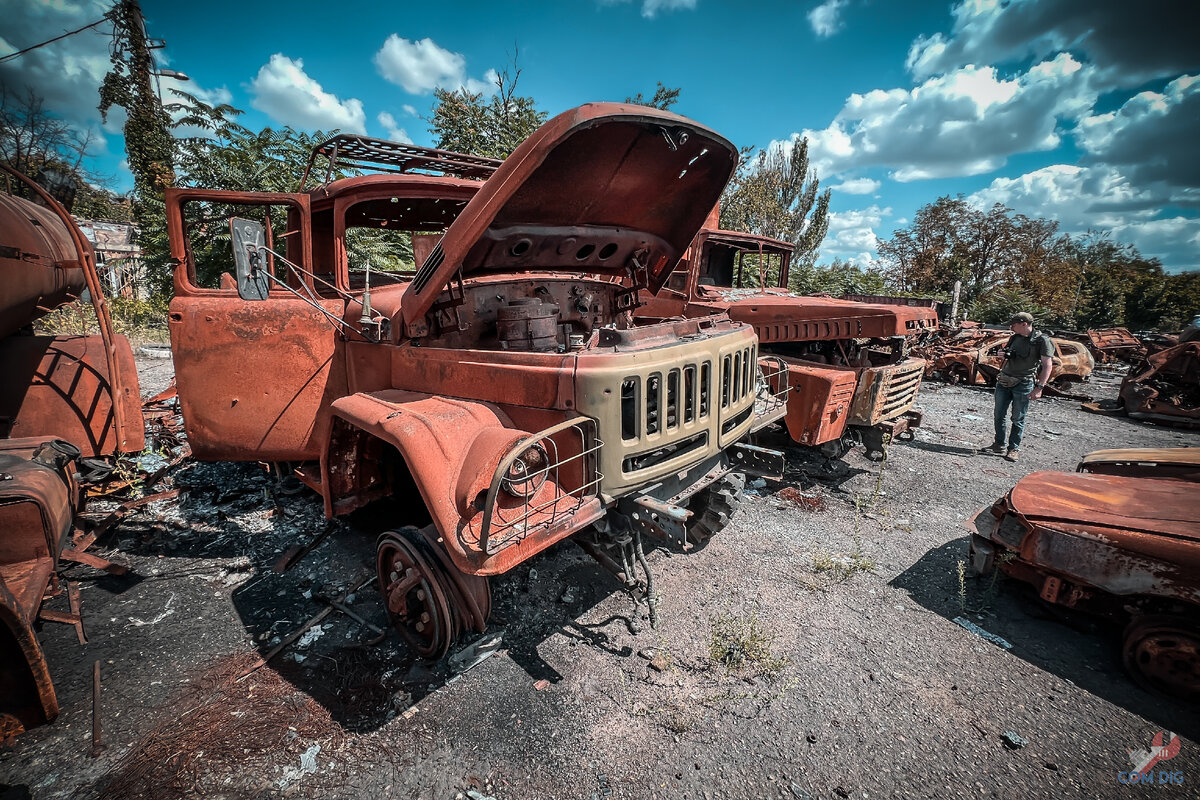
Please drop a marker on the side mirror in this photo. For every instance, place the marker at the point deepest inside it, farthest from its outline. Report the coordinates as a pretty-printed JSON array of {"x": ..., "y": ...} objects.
[{"x": 249, "y": 244}]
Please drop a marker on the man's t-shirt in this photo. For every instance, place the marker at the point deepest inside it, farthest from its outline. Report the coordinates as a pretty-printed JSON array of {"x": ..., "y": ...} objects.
[{"x": 1025, "y": 354}]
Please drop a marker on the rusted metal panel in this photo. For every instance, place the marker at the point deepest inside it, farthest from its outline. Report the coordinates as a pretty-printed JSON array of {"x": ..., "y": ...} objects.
[
  {"x": 60, "y": 386},
  {"x": 1182, "y": 463},
  {"x": 661, "y": 173},
  {"x": 255, "y": 378},
  {"x": 818, "y": 405},
  {"x": 37, "y": 505},
  {"x": 40, "y": 266},
  {"x": 975, "y": 356},
  {"x": 1168, "y": 388}
]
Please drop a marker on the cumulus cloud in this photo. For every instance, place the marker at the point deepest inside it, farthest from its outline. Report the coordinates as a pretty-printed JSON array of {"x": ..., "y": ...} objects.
[
  {"x": 1129, "y": 43},
  {"x": 852, "y": 234},
  {"x": 422, "y": 66},
  {"x": 394, "y": 131},
  {"x": 967, "y": 122},
  {"x": 1152, "y": 136},
  {"x": 1103, "y": 198},
  {"x": 857, "y": 186},
  {"x": 284, "y": 92},
  {"x": 407, "y": 109},
  {"x": 826, "y": 18}
]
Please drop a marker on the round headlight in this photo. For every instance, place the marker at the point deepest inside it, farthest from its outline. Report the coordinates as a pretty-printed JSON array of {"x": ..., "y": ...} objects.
[{"x": 526, "y": 474}]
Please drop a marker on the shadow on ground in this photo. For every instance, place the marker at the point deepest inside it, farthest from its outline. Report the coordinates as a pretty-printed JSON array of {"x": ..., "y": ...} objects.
[{"x": 1083, "y": 650}]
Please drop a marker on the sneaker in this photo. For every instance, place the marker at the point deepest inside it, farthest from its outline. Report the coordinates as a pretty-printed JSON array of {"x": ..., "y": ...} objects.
[
  {"x": 992, "y": 449},
  {"x": 1012, "y": 455}
]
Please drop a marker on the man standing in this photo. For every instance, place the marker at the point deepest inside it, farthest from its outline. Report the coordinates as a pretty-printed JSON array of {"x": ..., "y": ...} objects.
[{"x": 1028, "y": 360}]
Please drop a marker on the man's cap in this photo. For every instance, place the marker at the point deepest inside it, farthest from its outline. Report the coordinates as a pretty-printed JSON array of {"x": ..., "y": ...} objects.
[{"x": 1021, "y": 316}]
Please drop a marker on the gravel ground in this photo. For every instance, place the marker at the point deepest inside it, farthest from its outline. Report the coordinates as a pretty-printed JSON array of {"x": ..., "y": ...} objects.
[{"x": 843, "y": 672}]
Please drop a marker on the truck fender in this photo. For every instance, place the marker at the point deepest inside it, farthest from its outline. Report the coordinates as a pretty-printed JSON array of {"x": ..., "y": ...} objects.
[{"x": 451, "y": 448}]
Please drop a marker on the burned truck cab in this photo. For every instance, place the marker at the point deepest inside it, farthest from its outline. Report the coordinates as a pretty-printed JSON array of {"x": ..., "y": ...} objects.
[
  {"x": 850, "y": 374},
  {"x": 502, "y": 391}
]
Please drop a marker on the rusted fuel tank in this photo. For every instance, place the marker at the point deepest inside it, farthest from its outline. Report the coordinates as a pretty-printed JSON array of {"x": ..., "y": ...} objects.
[{"x": 40, "y": 264}]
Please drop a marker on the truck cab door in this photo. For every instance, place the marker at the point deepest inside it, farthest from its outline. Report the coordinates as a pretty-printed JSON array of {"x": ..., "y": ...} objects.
[{"x": 257, "y": 362}]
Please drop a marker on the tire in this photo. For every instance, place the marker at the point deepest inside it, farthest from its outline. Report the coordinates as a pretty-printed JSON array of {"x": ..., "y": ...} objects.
[
  {"x": 713, "y": 507},
  {"x": 1162, "y": 653}
]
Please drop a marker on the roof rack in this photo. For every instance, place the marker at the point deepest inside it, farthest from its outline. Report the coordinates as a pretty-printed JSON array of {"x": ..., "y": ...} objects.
[{"x": 380, "y": 155}]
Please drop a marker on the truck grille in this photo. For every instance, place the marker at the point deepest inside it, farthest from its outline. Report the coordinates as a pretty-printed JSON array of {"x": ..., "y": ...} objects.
[
  {"x": 659, "y": 402},
  {"x": 885, "y": 393},
  {"x": 738, "y": 375}
]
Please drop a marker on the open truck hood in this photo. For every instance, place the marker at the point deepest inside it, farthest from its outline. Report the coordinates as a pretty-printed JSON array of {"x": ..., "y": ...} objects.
[{"x": 605, "y": 188}]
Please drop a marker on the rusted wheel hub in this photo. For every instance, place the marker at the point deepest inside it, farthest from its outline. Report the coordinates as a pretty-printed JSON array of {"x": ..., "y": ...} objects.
[
  {"x": 428, "y": 600},
  {"x": 1162, "y": 653}
]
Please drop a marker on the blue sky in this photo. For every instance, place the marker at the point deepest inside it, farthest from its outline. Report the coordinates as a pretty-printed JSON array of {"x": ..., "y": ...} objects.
[{"x": 1085, "y": 111}]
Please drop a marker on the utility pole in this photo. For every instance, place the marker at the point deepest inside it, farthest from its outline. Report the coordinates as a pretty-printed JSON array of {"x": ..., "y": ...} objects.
[{"x": 148, "y": 142}]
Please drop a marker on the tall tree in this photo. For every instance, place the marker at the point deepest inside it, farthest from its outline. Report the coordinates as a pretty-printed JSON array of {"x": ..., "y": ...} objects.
[
  {"x": 778, "y": 195},
  {"x": 467, "y": 122},
  {"x": 663, "y": 98}
]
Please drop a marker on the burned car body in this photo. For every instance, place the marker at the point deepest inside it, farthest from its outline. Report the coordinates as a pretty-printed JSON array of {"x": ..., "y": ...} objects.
[
  {"x": 848, "y": 363},
  {"x": 61, "y": 397},
  {"x": 1166, "y": 388},
  {"x": 977, "y": 357},
  {"x": 503, "y": 393},
  {"x": 1112, "y": 544}
]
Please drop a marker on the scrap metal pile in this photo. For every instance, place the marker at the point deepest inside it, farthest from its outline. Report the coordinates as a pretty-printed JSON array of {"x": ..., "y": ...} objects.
[
  {"x": 65, "y": 401},
  {"x": 1163, "y": 388},
  {"x": 973, "y": 355}
]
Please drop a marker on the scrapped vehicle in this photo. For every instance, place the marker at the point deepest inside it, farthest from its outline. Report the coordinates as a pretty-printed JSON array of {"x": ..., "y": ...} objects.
[
  {"x": 1115, "y": 344},
  {"x": 503, "y": 394},
  {"x": 62, "y": 397},
  {"x": 1182, "y": 463},
  {"x": 850, "y": 375},
  {"x": 978, "y": 359},
  {"x": 1166, "y": 388},
  {"x": 1114, "y": 543}
]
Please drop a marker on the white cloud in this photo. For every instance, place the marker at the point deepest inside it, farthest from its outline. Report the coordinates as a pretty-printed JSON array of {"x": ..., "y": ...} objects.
[
  {"x": 967, "y": 122},
  {"x": 1128, "y": 43},
  {"x": 394, "y": 131},
  {"x": 1152, "y": 136},
  {"x": 1102, "y": 198},
  {"x": 407, "y": 109},
  {"x": 422, "y": 66},
  {"x": 852, "y": 234},
  {"x": 826, "y": 18},
  {"x": 283, "y": 91},
  {"x": 857, "y": 186},
  {"x": 650, "y": 8}
]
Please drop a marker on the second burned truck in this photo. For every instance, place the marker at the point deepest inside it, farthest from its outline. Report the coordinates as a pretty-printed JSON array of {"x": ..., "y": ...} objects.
[
  {"x": 850, "y": 373},
  {"x": 503, "y": 395}
]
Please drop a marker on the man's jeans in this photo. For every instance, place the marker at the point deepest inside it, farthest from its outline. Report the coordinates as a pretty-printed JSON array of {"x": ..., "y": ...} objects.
[{"x": 1018, "y": 397}]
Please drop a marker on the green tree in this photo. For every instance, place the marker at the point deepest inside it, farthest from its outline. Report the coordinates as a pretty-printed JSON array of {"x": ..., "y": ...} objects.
[
  {"x": 778, "y": 195},
  {"x": 663, "y": 98},
  {"x": 467, "y": 122}
]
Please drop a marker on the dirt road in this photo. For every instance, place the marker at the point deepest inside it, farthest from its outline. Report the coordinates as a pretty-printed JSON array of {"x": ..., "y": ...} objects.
[{"x": 805, "y": 653}]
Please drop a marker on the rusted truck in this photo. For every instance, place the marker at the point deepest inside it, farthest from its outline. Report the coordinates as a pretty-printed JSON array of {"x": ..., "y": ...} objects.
[
  {"x": 1121, "y": 539},
  {"x": 61, "y": 397},
  {"x": 849, "y": 371},
  {"x": 504, "y": 394}
]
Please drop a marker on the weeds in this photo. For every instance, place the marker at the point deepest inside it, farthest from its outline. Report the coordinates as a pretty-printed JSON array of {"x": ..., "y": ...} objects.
[
  {"x": 988, "y": 594},
  {"x": 144, "y": 320},
  {"x": 742, "y": 643}
]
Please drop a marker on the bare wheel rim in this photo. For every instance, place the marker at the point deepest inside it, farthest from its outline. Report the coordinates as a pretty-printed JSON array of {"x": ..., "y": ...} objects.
[
  {"x": 1163, "y": 655},
  {"x": 414, "y": 594}
]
